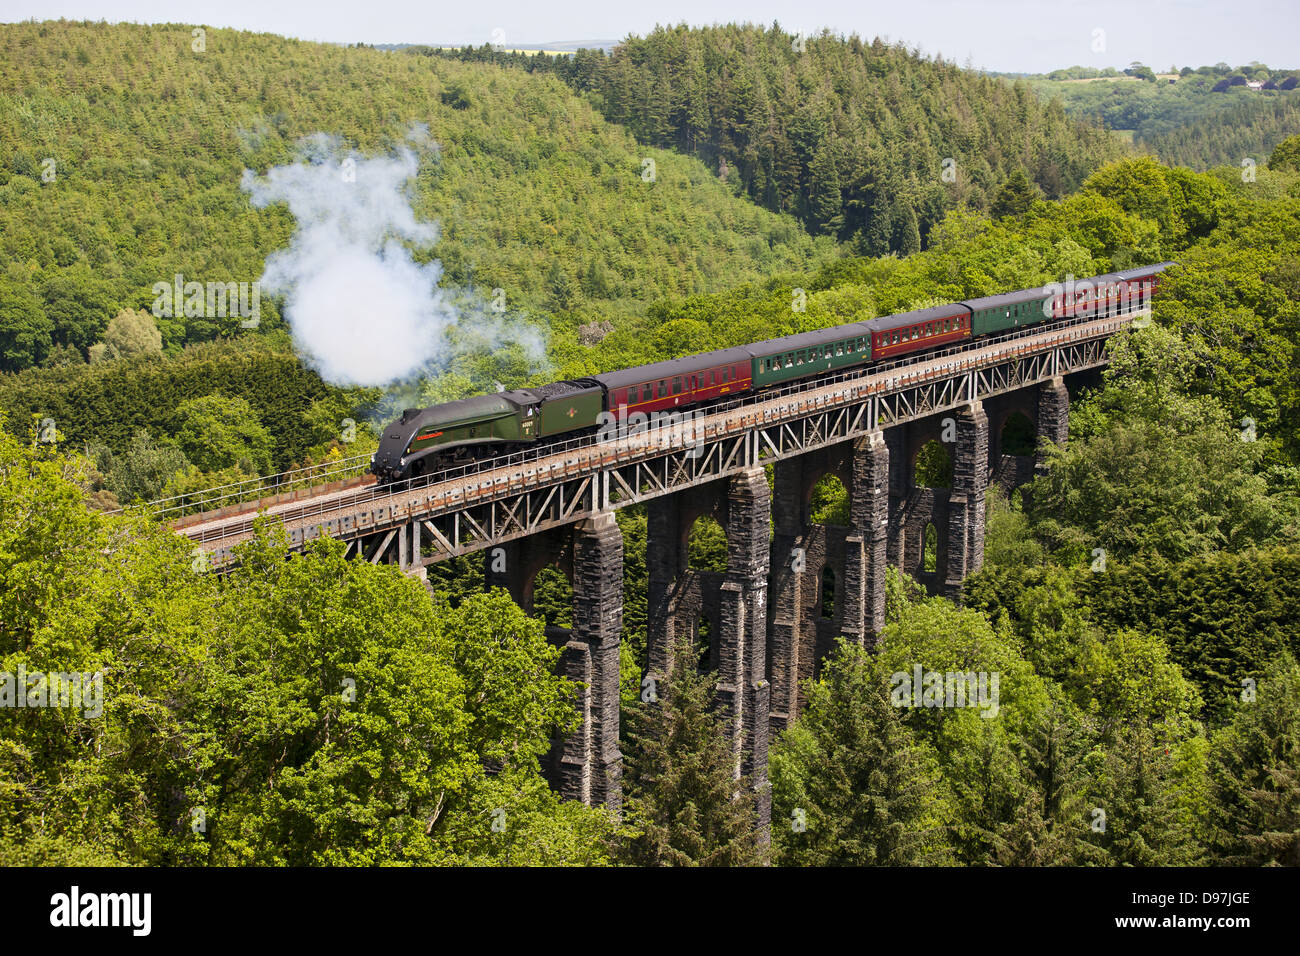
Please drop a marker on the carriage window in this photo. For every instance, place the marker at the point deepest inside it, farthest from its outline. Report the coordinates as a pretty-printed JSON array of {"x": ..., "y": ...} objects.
[
  {"x": 677, "y": 385},
  {"x": 839, "y": 348},
  {"x": 663, "y": 387},
  {"x": 726, "y": 375}
]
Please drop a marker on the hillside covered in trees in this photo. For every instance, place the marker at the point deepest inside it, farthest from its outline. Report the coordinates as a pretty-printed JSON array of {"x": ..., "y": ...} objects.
[
  {"x": 1199, "y": 118},
  {"x": 122, "y": 150},
  {"x": 1248, "y": 130},
  {"x": 865, "y": 141}
]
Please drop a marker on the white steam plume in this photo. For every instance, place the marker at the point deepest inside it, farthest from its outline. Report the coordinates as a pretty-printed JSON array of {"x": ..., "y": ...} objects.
[{"x": 362, "y": 311}]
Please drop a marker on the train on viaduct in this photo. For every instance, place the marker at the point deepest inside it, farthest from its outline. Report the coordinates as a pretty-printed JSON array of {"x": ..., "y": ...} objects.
[{"x": 791, "y": 586}]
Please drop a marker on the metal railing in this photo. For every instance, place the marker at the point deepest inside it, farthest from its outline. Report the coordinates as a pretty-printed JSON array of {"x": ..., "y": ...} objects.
[
  {"x": 220, "y": 496},
  {"x": 343, "y": 499}
]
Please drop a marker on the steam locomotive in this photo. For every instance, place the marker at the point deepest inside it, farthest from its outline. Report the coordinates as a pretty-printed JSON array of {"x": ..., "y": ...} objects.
[{"x": 459, "y": 432}]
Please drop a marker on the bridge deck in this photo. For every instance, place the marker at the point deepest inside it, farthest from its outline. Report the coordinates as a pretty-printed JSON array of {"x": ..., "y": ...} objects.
[{"x": 518, "y": 473}]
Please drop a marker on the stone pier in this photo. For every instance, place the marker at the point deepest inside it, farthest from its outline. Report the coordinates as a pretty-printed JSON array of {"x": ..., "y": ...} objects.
[{"x": 970, "y": 470}]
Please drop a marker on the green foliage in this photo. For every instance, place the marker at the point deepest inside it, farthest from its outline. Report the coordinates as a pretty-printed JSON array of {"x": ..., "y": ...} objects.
[
  {"x": 1008, "y": 537},
  {"x": 830, "y": 502},
  {"x": 849, "y": 136},
  {"x": 142, "y": 471},
  {"x": 1286, "y": 155},
  {"x": 24, "y": 328},
  {"x": 1083, "y": 719},
  {"x": 1256, "y": 777},
  {"x": 318, "y": 711},
  {"x": 933, "y": 466},
  {"x": 1195, "y": 121},
  {"x": 1247, "y": 129},
  {"x": 850, "y": 785},
  {"x": 110, "y": 402},
  {"x": 132, "y": 332},
  {"x": 682, "y": 795},
  {"x": 1224, "y": 616},
  {"x": 706, "y": 546},
  {"x": 1150, "y": 470},
  {"x": 1015, "y": 196},
  {"x": 553, "y": 598},
  {"x": 217, "y": 432}
]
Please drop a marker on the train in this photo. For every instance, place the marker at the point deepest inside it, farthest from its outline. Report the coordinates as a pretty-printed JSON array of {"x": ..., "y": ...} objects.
[{"x": 460, "y": 432}]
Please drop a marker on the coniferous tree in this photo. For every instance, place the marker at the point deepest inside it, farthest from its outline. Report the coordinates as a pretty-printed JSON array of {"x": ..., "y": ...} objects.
[
  {"x": 1056, "y": 815},
  {"x": 1014, "y": 196},
  {"x": 682, "y": 793},
  {"x": 824, "y": 201},
  {"x": 851, "y": 787},
  {"x": 910, "y": 241},
  {"x": 1144, "y": 825},
  {"x": 1255, "y": 773}
]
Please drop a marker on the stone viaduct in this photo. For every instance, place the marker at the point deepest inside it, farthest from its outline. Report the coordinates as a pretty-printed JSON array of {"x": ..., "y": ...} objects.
[{"x": 791, "y": 586}]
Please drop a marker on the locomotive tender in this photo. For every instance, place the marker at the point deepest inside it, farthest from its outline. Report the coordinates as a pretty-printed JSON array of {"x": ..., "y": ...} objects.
[{"x": 458, "y": 432}]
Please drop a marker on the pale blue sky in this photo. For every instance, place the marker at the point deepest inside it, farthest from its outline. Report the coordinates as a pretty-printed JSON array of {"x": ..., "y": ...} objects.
[{"x": 1011, "y": 35}]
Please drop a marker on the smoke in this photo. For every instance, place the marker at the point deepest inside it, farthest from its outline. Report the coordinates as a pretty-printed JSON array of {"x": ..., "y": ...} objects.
[{"x": 361, "y": 309}]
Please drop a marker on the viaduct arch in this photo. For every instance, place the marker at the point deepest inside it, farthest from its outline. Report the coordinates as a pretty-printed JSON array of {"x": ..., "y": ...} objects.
[{"x": 769, "y": 624}]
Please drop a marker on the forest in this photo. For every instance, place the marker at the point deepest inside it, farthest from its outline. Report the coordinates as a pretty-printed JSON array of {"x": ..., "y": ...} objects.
[
  {"x": 1137, "y": 598},
  {"x": 1199, "y": 118},
  {"x": 869, "y": 142}
]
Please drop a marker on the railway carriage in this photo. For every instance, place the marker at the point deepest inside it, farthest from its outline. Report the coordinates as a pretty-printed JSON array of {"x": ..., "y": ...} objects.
[
  {"x": 676, "y": 383},
  {"x": 993, "y": 314},
  {"x": 918, "y": 331},
  {"x": 777, "y": 361},
  {"x": 1143, "y": 283},
  {"x": 1110, "y": 294}
]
